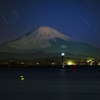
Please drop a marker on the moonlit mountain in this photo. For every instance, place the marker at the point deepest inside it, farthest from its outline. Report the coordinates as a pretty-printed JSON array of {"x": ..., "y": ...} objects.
[
  {"x": 37, "y": 39},
  {"x": 48, "y": 40}
]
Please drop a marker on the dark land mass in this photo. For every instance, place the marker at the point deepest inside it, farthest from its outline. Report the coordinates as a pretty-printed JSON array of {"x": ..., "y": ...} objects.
[{"x": 42, "y": 56}]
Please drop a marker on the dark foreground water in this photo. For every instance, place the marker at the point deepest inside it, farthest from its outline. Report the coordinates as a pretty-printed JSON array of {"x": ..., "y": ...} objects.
[{"x": 50, "y": 84}]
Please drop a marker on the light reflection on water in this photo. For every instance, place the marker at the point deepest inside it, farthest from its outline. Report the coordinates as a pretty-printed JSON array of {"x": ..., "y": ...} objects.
[{"x": 47, "y": 84}]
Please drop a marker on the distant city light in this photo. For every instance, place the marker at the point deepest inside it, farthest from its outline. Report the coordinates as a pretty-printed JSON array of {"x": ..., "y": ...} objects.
[
  {"x": 31, "y": 63},
  {"x": 37, "y": 63},
  {"x": 69, "y": 63},
  {"x": 89, "y": 61},
  {"x": 53, "y": 63},
  {"x": 74, "y": 64},
  {"x": 98, "y": 63},
  {"x": 22, "y": 63}
]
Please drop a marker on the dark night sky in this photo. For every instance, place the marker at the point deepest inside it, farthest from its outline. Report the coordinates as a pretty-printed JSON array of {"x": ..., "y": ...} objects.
[{"x": 77, "y": 19}]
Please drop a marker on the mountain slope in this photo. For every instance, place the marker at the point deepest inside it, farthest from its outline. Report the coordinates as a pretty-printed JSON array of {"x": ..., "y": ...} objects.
[
  {"x": 39, "y": 38},
  {"x": 48, "y": 40}
]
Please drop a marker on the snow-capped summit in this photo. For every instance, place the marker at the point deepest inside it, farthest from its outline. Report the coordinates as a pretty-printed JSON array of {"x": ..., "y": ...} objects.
[
  {"x": 47, "y": 33},
  {"x": 38, "y": 38}
]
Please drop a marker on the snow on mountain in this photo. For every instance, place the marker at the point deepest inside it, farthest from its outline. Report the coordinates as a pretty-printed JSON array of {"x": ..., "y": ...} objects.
[
  {"x": 48, "y": 40},
  {"x": 38, "y": 38}
]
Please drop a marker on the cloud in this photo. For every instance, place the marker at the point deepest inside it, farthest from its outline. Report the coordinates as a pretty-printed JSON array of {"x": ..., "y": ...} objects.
[{"x": 63, "y": 46}]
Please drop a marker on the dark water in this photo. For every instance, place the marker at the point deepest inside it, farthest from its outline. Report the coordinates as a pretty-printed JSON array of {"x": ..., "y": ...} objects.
[{"x": 50, "y": 84}]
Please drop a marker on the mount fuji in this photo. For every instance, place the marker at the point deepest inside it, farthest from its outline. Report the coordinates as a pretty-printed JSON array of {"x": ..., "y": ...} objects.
[{"x": 48, "y": 40}]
